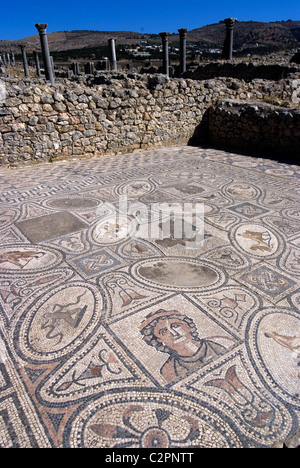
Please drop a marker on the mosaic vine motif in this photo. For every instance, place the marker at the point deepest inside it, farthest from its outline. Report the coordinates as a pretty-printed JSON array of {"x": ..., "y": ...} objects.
[{"x": 110, "y": 340}]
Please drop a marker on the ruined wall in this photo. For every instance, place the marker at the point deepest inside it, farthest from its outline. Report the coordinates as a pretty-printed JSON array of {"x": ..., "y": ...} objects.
[
  {"x": 111, "y": 114},
  {"x": 247, "y": 71},
  {"x": 255, "y": 127}
]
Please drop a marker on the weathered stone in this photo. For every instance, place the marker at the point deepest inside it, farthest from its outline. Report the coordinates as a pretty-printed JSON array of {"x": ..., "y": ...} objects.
[
  {"x": 47, "y": 99},
  {"x": 58, "y": 97},
  {"x": 124, "y": 112},
  {"x": 12, "y": 102},
  {"x": 47, "y": 108},
  {"x": 33, "y": 120}
]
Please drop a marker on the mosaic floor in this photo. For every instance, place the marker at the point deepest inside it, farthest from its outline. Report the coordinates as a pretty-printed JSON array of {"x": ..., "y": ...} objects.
[{"x": 109, "y": 339}]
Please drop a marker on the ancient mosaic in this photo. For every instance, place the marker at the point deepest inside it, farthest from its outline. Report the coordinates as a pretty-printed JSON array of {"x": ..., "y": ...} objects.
[{"x": 112, "y": 340}]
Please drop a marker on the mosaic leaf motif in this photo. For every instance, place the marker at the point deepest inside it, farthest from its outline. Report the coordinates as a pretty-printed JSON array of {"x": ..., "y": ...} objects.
[{"x": 158, "y": 424}]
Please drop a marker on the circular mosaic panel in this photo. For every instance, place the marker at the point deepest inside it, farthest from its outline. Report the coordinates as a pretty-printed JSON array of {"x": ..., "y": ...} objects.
[
  {"x": 73, "y": 203},
  {"x": 257, "y": 240},
  {"x": 23, "y": 259},
  {"x": 133, "y": 421},
  {"x": 59, "y": 321},
  {"x": 178, "y": 273},
  {"x": 112, "y": 229},
  {"x": 274, "y": 341}
]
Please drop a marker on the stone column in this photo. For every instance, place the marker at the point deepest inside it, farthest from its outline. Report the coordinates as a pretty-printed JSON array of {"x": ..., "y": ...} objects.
[
  {"x": 12, "y": 57},
  {"x": 75, "y": 68},
  {"x": 164, "y": 38},
  {"x": 52, "y": 65},
  {"x": 25, "y": 64},
  {"x": 4, "y": 59},
  {"x": 182, "y": 37},
  {"x": 41, "y": 27},
  {"x": 112, "y": 54},
  {"x": 228, "y": 44},
  {"x": 37, "y": 63},
  {"x": 89, "y": 68}
]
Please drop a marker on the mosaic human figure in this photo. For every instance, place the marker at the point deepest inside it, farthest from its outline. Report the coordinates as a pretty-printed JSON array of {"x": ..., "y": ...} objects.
[
  {"x": 176, "y": 334},
  {"x": 263, "y": 240}
]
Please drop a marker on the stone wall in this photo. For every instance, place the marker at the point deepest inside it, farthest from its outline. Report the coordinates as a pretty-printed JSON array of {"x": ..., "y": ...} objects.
[
  {"x": 112, "y": 113},
  {"x": 247, "y": 71},
  {"x": 255, "y": 127}
]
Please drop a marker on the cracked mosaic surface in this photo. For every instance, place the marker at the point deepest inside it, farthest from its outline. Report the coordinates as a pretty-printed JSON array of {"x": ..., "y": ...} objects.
[{"x": 109, "y": 340}]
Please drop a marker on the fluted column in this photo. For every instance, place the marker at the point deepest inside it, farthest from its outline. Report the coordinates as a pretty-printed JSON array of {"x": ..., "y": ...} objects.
[
  {"x": 164, "y": 37},
  {"x": 41, "y": 27},
  {"x": 182, "y": 37}
]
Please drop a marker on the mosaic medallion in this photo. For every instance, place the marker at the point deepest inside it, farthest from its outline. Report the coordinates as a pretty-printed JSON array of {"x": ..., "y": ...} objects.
[
  {"x": 112, "y": 230},
  {"x": 135, "y": 188},
  {"x": 165, "y": 422},
  {"x": 274, "y": 341},
  {"x": 257, "y": 240},
  {"x": 187, "y": 274},
  {"x": 22, "y": 259},
  {"x": 73, "y": 203},
  {"x": 58, "y": 322},
  {"x": 241, "y": 191}
]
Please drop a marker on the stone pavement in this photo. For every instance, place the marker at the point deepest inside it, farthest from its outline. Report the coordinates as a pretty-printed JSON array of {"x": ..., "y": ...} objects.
[{"x": 110, "y": 339}]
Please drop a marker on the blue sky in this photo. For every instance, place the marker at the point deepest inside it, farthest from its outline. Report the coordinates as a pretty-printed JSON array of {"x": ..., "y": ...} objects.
[{"x": 17, "y": 18}]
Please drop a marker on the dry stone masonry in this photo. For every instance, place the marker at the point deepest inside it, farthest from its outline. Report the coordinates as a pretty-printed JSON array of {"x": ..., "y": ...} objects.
[
  {"x": 257, "y": 127},
  {"x": 119, "y": 113}
]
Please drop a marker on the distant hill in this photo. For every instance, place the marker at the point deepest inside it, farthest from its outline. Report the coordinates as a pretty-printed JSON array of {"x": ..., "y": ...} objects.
[
  {"x": 68, "y": 40},
  {"x": 283, "y": 34}
]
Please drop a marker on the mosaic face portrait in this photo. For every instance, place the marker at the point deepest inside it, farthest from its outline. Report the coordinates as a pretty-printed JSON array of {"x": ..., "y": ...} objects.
[{"x": 176, "y": 334}]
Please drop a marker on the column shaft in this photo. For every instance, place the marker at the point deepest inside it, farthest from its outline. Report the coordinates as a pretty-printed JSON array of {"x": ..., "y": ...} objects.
[
  {"x": 45, "y": 51},
  {"x": 25, "y": 64},
  {"x": 228, "y": 44},
  {"x": 37, "y": 64},
  {"x": 182, "y": 35},
  {"x": 164, "y": 37},
  {"x": 112, "y": 54}
]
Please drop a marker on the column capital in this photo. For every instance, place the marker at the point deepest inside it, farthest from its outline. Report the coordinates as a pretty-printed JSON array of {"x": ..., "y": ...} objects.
[
  {"x": 22, "y": 46},
  {"x": 164, "y": 35},
  {"x": 230, "y": 22},
  {"x": 182, "y": 31},
  {"x": 41, "y": 27}
]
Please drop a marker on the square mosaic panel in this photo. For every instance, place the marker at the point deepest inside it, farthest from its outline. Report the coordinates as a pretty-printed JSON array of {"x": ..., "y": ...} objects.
[
  {"x": 249, "y": 210},
  {"x": 50, "y": 226},
  {"x": 172, "y": 339},
  {"x": 269, "y": 282},
  {"x": 96, "y": 263}
]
